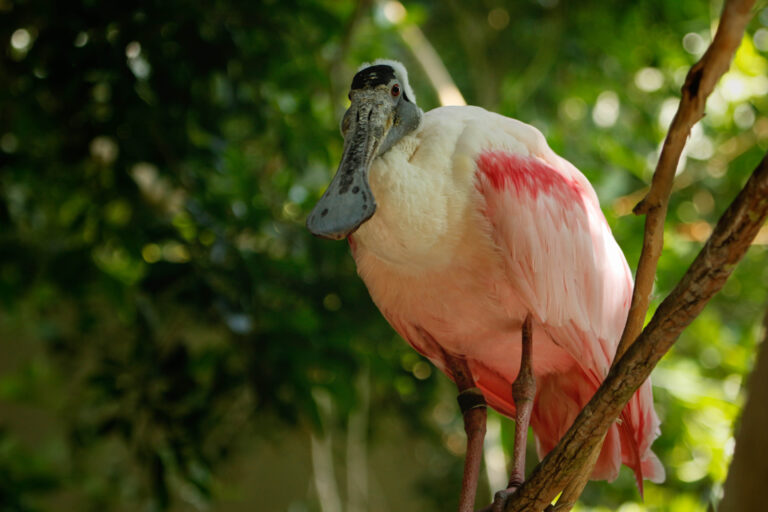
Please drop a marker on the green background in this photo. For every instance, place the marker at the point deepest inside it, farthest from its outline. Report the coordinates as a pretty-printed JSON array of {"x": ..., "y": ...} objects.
[{"x": 171, "y": 336}]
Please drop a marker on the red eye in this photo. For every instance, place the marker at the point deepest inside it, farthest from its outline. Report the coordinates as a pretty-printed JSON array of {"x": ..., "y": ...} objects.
[{"x": 396, "y": 90}]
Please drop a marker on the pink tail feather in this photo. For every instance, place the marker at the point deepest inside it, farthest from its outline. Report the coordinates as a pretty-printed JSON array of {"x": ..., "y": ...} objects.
[{"x": 560, "y": 398}]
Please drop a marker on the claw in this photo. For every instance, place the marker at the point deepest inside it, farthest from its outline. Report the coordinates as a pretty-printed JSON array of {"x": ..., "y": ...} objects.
[{"x": 501, "y": 497}]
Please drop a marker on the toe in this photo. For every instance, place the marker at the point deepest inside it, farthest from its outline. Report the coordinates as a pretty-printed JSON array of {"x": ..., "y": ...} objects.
[{"x": 500, "y": 499}]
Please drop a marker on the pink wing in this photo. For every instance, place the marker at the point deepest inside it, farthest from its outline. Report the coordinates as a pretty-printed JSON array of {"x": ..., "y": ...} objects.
[{"x": 565, "y": 265}]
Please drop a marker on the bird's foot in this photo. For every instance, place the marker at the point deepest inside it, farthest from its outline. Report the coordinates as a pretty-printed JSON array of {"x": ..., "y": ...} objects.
[{"x": 501, "y": 497}]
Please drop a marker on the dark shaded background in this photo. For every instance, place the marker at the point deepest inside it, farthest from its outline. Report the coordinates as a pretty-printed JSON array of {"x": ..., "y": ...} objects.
[{"x": 171, "y": 337}]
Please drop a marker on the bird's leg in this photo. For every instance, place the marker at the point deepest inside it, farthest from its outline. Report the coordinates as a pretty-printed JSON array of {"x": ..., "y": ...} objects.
[
  {"x": 523, "y": 392},
  {"x": 472, "y": 405},
  {"x": 473, "y": 409}
]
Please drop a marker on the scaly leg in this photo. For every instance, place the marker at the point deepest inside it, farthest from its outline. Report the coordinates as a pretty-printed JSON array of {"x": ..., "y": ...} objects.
[
  {"x": 472, "y": 404},
  {"x": 523, "y": 392}
]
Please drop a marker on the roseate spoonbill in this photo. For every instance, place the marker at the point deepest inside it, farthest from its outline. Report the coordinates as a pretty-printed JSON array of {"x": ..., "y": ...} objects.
[{"x": 490, "y": 255}]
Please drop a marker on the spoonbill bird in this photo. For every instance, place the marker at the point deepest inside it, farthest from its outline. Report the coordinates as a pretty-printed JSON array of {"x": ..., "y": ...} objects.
[{"x": 490, "y": 255}]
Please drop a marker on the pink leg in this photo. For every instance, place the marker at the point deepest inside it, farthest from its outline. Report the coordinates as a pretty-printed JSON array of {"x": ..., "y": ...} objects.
[
  {"x": 472, "y": 404},
  {"x": 523, "y": 392}
]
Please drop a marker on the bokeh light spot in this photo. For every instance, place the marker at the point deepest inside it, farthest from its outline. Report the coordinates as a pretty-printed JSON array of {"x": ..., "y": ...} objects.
[
  {"x": 760, "y": 39},
  {"x": 700, "y": 146},
  {"x": 443, "y": 413},
  {"x": 175, "y": 252},
  {"x": 573, "y": 108},
  {"x": 744, "y": 116},
  {"x": 291, "y": 210},
  {"x": 667, "y": 112},
  {"x": 104, "y": 149},
  {"x": 421, "y": 370},
  {"x": 81, "y": 39},
  {"x": 9, "y": 143},
  {"x": 498, "y": 18},
  {"x": 21, "y": 39},
  {"x": 649, "y": 79},
  {"x": 732, "y": 386},
  {"x": 151, "y": 253},
  {"x": 133, "y": 50},
  {"x": 332, "y": 302},
  {"x": 694, "y": 43},
  {"x": 606, "y": 110},
  {"x": 394, "y": 12},
  {"x": 703, "y": 201}
]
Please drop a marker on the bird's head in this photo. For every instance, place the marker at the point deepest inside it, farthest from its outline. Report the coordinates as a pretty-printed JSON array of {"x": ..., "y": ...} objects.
[{"x": 382, "y": 111}]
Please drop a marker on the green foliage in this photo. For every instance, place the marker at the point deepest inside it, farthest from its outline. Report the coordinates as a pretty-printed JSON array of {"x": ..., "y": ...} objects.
[{"x": 163, "y": 305}]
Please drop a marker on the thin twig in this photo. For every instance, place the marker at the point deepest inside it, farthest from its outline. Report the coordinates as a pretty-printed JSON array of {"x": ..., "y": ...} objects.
[
  {"x": 727, "y": 244},
  {"x": 698, "y": 85}
]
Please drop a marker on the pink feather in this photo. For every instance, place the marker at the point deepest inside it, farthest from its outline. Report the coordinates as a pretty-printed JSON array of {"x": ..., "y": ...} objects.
[
  {"x": 565, "y": 266},
  {"x": 544, "y": 247}
]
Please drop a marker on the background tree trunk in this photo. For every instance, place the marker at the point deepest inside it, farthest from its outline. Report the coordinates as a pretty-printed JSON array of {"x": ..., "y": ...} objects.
[{"x": 748, "y": 475}]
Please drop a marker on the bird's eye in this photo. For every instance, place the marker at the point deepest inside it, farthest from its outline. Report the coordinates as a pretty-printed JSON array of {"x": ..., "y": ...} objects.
[{"x": 396, "y": 90}]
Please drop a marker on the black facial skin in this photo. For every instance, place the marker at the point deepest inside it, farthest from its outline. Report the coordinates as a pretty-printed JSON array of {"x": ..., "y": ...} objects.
[{"x": 373, "y": 76}]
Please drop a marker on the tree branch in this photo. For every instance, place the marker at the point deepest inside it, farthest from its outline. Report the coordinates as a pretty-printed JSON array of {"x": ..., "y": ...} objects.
[
  {"x": 698, "y": 86},
  {"x": 575, "y": 487},
  {"x": 729, "y": 241}
]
